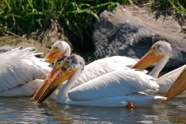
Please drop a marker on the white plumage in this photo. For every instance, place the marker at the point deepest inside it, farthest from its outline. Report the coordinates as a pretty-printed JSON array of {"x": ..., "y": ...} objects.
[
  {"x": 17, "y": 68},
  {"x": 116, "y": 83},
  {"x": 113, "y": 89},
  {"x": 166, "y": 80},
  {"x": 103, "y": 66}
]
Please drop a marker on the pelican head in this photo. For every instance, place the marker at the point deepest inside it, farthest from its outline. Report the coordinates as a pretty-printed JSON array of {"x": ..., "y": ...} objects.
[
  {"x": 159, "y": 50},
  {"x": 63, "y": 69},
  {"x": 59, "y": 48}
]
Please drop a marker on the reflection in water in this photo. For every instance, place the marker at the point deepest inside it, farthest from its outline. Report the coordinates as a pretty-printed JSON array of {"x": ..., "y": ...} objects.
[{"x": 17, "y": 110}]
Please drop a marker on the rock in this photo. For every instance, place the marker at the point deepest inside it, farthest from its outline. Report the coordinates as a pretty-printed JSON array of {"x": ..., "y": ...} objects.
[{"x": 132, "y": 31}]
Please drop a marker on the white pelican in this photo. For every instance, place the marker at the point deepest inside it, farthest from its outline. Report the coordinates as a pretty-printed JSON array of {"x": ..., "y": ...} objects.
[
  {"x": 20, "y": 71},
  {"x": 114, "y": 89},
  {"x": 58, "y": 49}
]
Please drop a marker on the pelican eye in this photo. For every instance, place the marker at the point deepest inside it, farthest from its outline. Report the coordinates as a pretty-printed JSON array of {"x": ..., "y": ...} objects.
[
  {"x": 58, "y": 65},
  {"x": 56, "y": 47},
  {"x": 65, "y": 66},
  {"x": 154, "y": 48},
  {"x": 68, "y": 62}
]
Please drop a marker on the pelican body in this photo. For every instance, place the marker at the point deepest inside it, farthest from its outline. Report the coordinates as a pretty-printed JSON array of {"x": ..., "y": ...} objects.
[
  {"x": 21, "y": 72},
  {"x": 166, "y": 80}
]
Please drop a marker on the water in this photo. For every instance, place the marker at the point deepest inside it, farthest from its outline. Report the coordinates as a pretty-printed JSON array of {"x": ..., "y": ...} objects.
[{"x": 23, "y": 110}]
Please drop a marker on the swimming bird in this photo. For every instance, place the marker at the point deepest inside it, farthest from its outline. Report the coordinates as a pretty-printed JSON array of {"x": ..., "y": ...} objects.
[
  {"x": 58, "y": 49},
  {"x": 115, "y": 89},
  {"x": 165, "y": 81},
  {"x": 21, "y": 72}
]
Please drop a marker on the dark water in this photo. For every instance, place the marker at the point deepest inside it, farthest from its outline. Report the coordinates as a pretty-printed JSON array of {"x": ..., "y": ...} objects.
[{"x": 23, "y": 110}]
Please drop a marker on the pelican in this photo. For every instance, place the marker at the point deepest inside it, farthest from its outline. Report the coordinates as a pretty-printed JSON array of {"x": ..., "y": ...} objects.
[
  {"x": 115, "y": 89},
  {"x": 21, "y": 72},
  {"x": 58, "y": 49}
]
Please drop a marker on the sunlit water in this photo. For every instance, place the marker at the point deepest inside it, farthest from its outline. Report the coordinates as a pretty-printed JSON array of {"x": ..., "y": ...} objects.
[{"x": 24, "y": 110}]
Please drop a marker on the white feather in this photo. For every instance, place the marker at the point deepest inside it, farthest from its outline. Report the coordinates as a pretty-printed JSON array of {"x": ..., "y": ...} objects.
[
  {"x": 138, "y": 100},
  {"x": 116, "y": 83},
  {"x": 102, "y": 66},
  {"x": 20, "y": 66},
  {"x": 24, "y": 90},
  {"x": 168, "y": 79}
]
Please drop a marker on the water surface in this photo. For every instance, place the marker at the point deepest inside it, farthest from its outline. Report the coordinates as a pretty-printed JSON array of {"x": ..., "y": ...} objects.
[{"x": 24, "y": 110}]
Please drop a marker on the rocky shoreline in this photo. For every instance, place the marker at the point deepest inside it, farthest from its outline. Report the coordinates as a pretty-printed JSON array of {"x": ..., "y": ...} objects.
[{"x": 128, "y": 31}]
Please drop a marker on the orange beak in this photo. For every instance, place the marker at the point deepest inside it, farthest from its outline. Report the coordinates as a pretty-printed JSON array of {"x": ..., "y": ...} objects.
[
  {"x": 52, "y": 56},
  {"x": 51, "y": 83},
  {"x": 178, "y": 86},
  {"x": 148, "y": 59},
  {"x": 45, "y": 84}
]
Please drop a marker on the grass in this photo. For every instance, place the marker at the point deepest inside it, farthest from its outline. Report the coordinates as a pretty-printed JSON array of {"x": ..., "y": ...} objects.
[{"x": 75, "y": 19}]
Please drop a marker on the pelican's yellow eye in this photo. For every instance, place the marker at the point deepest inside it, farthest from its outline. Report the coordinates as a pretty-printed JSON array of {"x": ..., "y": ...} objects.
[
  {"x": 68, "y": 62},
  {"x": 55, "y": 49},
  {"x": 153, "y": 48},
  {"x": 58, "y": 65},
  {"x": 66, "y": 65}
]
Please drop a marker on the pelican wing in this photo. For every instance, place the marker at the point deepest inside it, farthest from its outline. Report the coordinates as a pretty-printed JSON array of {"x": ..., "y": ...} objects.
[
  {"x": 116, "y": 83},
  {"x": 24, "y": 90},
  {"x": 168, "y": 79},
  {"x": 20, "y": 66},
  {"x": 103, "y": 66}
]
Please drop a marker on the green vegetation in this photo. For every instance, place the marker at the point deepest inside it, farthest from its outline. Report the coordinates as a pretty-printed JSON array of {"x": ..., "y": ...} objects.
[
  {"x": 165, "y": 5},
  {"x": 75, "y": 18}
]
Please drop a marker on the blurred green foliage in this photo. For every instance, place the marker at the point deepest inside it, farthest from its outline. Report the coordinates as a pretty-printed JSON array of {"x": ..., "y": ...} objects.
[{"x": 76, "y": 17}]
